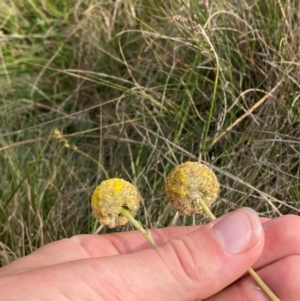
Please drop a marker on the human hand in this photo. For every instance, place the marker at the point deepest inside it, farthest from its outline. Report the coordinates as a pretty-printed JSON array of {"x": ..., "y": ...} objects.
[{"x": 191, "y": 264}]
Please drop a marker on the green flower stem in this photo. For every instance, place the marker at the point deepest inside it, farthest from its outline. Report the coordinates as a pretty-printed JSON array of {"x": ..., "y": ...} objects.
[
  {"x": 126, "y": 213},
  {"x": 253, "y": 274},
  {"x": 206, "y": 210}
]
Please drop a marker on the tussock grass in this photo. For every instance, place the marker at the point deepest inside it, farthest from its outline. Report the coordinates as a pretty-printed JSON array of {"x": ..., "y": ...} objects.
[{"x": 91, "y": 90}]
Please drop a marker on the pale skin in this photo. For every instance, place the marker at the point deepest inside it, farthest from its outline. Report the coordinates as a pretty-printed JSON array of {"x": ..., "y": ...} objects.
[{"x": 189, "y": 264}]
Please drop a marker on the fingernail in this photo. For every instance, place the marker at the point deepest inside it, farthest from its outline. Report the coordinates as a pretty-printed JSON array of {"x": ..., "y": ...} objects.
[{"x": 238, "y": 231}]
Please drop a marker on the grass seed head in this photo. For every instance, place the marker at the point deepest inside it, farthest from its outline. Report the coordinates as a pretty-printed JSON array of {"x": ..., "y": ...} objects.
[
  {"x": 110, "y": 197},
  {"x": 189, "y": 182}
]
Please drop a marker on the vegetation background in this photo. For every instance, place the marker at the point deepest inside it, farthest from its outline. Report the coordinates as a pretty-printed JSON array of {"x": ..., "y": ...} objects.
[{"x": 92, "y": 89}]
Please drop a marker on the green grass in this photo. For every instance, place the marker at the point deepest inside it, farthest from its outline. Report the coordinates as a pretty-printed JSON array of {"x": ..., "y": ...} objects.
[{"x": 97, "y": 89}]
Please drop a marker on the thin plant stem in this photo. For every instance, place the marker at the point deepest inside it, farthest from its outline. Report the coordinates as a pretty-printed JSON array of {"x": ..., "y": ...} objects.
[
  {"x": 252, "y": 273},
  {"x": 126, "y": 213},
  {"x": 207, "y": 210},
  {"x": 262, "y": 285}
]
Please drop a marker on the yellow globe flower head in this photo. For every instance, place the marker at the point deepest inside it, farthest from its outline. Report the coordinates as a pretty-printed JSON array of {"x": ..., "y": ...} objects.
[
  {"x": 190, "y": 182},
  {"x": 191, "y": 188},
  {"x": 110, "y": 198}
]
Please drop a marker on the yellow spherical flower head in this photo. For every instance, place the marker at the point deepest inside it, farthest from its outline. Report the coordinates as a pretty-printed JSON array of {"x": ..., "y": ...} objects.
[
  {"x": 191, "y": 188},
  {"x": 190, "y": 182},
  {"x": 110, "y": 197}
]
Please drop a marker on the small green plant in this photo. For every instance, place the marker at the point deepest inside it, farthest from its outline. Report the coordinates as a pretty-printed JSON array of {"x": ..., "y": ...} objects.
[{"x": 191, "y": 188}]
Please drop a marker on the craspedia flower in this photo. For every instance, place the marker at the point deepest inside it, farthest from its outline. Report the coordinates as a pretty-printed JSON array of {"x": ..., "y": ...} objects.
[
  {"x": 190, "y": 182},
  {"x": 191, "y": 188},
  {"x": 111, "y": 197}
]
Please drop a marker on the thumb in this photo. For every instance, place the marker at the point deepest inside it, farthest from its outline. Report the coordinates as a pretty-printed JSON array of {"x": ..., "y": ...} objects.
[{"x": 195, "y": 266}]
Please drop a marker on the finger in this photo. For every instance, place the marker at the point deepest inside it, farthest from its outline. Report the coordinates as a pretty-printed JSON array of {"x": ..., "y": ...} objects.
[
  {"x": 92, "y": 245},
  {"x": 264, "y": 219},
  {"x": 133, "y": 241},
  {"x": 192, "y": 267},
  {"x": 278, "y": 263},
  {"x": 282, "y": 277},
  {"x": 89, "y": 245},
  {"x": 53, "y": 253},
  {"x": 128, "y": 242},
  {"x": 281, "y": 240}
]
